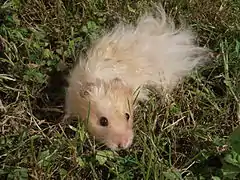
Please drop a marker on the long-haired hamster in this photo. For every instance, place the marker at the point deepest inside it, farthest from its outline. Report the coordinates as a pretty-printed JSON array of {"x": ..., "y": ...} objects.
[{"x": 102, "y": 87}]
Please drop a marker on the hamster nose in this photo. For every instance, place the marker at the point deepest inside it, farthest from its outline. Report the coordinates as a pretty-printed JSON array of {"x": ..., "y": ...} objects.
[
  {"x": 120, "y": 145},
  {"x": 123, "y": 143}
]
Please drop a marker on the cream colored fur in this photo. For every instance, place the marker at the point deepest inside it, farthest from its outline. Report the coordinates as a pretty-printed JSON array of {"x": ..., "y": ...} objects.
[{"x": 153, "y": 52}]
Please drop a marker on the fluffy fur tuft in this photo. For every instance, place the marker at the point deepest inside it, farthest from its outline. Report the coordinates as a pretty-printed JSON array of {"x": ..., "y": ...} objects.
[{"x": 130, "y": 57}]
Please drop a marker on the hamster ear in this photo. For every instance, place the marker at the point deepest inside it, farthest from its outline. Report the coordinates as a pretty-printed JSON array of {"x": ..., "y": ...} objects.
[
  {"x": 117, "y": 83},
  {"x": 85, "y": 88},
  {"x": 117, "y": 80},
  {"x": 88, "y": 86}
]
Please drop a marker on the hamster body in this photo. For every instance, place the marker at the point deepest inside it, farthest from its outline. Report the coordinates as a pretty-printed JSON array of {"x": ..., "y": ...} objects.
[{"x": 103, "y": 86}]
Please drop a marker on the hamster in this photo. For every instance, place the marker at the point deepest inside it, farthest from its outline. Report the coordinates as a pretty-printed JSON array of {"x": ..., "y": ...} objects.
[{"x": 105, "y": 86}]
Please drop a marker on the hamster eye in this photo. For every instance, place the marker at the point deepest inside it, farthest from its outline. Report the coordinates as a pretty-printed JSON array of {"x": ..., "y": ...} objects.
[
  {"x": 103, "y": 121},
  {"x": 127, "y": 116}
]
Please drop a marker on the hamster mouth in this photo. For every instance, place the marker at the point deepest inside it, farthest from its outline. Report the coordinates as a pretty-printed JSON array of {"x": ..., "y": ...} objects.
[
  {"x": 118, "y": 146},
  {"x": 112, "y": 146}
]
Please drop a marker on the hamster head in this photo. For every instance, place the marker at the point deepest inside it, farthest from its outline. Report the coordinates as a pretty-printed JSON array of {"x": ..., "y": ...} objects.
[{"x": 108, "y": 107}]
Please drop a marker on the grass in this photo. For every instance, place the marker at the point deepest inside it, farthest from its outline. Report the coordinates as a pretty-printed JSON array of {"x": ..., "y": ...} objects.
[{"x": 189, "y": 138}]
